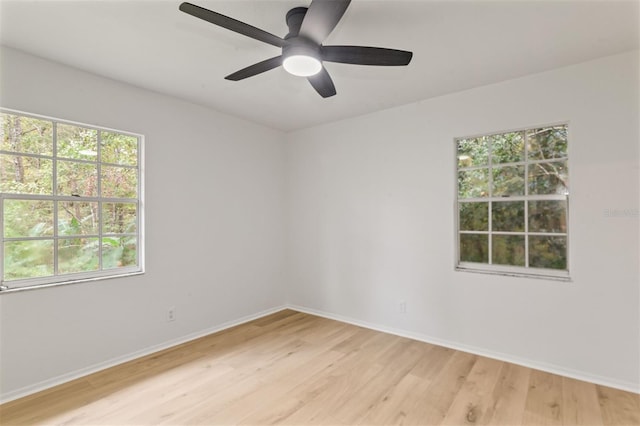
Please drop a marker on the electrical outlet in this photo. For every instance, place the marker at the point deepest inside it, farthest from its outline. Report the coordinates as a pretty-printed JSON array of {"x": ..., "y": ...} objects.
[
  {"x": 171, "y": 314},
  {"x": 403, "y": 307}
]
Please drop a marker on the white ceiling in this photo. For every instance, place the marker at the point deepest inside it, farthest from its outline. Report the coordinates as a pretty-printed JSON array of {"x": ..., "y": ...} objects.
[{"x": 457, "y": 45}]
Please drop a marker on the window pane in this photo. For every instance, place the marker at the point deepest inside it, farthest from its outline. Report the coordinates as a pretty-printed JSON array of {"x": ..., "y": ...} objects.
[
  {"x": 548, "y": 216},
  {"x": 76, "y": 142},
  {"x": 28, "y": 218},
  {"x": 474, "y": 216},
  {"x": 25, "y": 175},
  {"x": 119, "y": 218},
  {"x": 77, "y": 179},
  {"x": 519, "y": 173},
  {"x": 78, "y": 172},
  {"x": 507, "y": 147},
  {"x": 474, "y": 248},
  {"x": 507, "y": 216},
  {"x": 119, "y": 182},
  {"x": 508, "y": 180},
  {"x": 547, "y": 143},
  {"x": 548, "y": 178},
  {"x": 25, "y": 134},
  {"x": 473, "y": 183},
  {"x": 118, "y": 252},
  {"x": 119, "y": 149},
  {"x": 548, "y": 252},
  {"x": 507, "y": 250},
  {"x": 28, "y": 259},
  {"x": 77, "y": 218},
  {"x": 77, "y": 255},
  {"x": 473, "y": 152}
]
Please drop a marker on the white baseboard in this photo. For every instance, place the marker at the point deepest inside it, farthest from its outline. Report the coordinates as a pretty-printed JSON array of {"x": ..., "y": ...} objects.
[
  {"x": 49, "y": 383},
  {"x": 550, "y": 368}
]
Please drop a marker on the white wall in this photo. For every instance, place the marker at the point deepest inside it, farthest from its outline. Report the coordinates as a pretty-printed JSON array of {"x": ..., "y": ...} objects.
[
  {"x": 370, "y": 202},
  {"x": 214, "y": 226}
]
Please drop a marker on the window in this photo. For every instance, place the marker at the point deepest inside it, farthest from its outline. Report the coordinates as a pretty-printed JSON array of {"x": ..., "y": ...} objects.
[
  {"x": 512, "y": 202},
  {"x": 70, "y": 197}
]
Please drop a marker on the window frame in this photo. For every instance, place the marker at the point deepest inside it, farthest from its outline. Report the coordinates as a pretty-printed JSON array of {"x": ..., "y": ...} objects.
[
  {"x": 509, "y": 270},
  {"x": 58, "y": 279}
]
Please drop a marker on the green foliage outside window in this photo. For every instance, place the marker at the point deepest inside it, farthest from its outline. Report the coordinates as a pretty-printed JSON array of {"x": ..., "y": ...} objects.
[
  {"x": 512, "y": 198},
  {"x": 69, "y": 198}
]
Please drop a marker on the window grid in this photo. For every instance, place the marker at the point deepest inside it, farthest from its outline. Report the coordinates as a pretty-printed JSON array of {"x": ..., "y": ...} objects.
[
  {"x": 526, "y": 198},
  {"x": 55, "y": 197},
  {"x": 54, "y": 190},
  {"x": 490, "y": 203},
  {"x": 100, "y": 210},
  {"x": 526, "y": 201}
]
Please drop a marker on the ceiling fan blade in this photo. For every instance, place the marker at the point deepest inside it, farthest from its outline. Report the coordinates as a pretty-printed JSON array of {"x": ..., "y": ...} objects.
[
  {"x": 231, "y": 24},
  {"x": 322, "y": 83},
  {"x": 255, "y": 69},
  {"x": 321, "y": 18},
  {"x": 361, "y": 55}
]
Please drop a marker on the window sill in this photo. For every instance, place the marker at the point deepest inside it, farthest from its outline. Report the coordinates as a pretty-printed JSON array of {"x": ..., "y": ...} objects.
[
  {"x": 5, "y": 290},
  {"x": 543, "y": 274}
]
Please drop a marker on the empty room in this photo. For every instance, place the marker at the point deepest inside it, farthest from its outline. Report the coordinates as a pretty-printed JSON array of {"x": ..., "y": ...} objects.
[{"x": 324, "y": 212}]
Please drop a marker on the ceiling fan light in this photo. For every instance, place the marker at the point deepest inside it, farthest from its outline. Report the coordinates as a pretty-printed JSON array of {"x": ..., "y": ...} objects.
[{"x": 302, "y": 65}]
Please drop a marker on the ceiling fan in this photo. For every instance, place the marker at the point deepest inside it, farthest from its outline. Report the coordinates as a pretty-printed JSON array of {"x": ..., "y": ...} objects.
[{"x": 302, "y": 48}]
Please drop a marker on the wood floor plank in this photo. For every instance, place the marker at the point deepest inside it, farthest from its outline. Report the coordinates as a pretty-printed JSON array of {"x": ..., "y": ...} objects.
[
  {"x": 245, "y": 381},
  {"x": 432, "y": 405},
  {"x": 619, "y": 408},
  {"x": 510, "y": 395},
  {"x": 434, "y": 359},
  {"x": 397, "y": 360},
  {"x": 38, "y": 408},
  {"x": 544, "y": 400},
  {"x": 580, "y": 403},
  {"x": 275, "y": 386},
  {"x": 171, "y": 398},
  {"x": 399, "y": 400},
  {"x": 474, "y": 402},
  {"x": 297, "y": 369},
  {"x": 395, "y": 404},
  {"x": 324, "y": 394}
]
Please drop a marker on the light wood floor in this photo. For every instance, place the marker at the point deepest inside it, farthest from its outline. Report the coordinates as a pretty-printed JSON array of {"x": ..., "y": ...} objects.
[{"x": 294, "y": 368}]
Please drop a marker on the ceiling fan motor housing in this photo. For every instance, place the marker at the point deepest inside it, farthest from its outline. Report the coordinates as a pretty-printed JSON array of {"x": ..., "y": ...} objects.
[
  {"x": 300, "y": 46},
  {"x": 301, "y": 56},
  {"x": 294, "y": 21}
]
